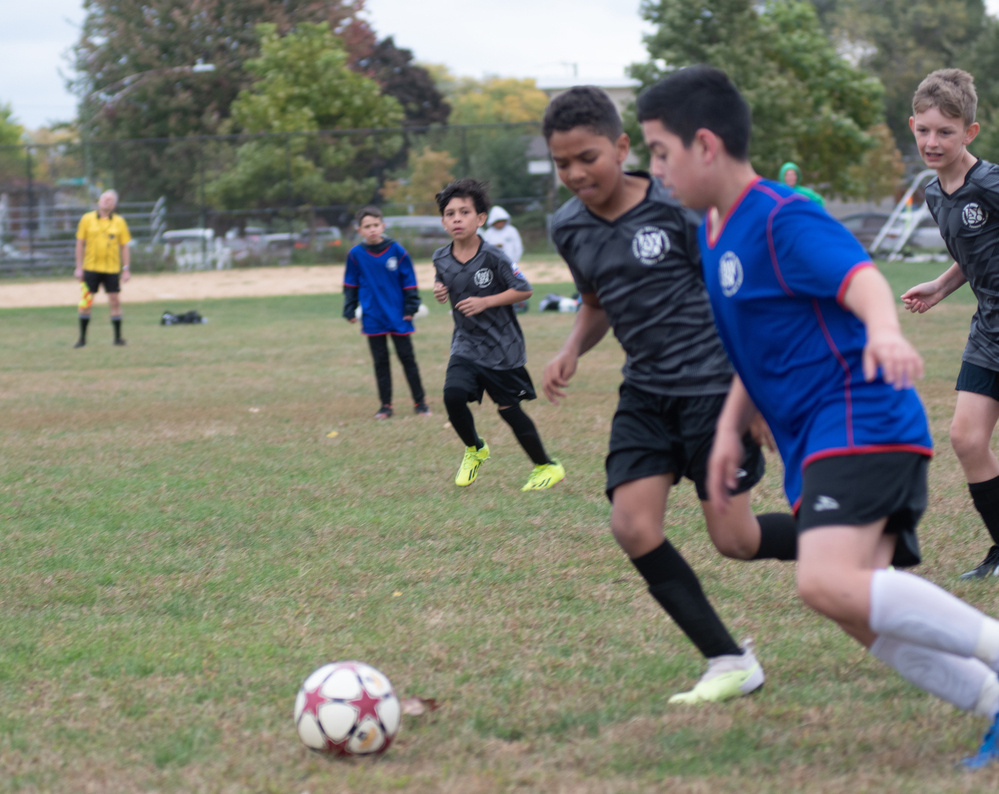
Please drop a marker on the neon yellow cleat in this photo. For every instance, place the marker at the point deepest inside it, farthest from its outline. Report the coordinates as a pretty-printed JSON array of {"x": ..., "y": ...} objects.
[
  {"x": 470, "y": 464},
  {"x": 545, "y": 476},
  {"x": 727, "y": 677}
]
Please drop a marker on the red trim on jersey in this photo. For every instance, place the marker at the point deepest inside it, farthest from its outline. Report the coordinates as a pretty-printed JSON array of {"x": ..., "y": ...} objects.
[
  {"x": 713, "y": 238},
  {"x": 866, "y": 450},
  {"x": 841, "y": 293}
]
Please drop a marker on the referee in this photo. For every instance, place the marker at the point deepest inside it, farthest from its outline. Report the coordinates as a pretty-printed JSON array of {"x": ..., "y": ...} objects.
[{"x": 102, "y": 257}]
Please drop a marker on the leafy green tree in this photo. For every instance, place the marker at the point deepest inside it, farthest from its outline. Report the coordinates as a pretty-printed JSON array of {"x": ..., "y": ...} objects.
[
  {"x": 982, "y": 60},
  {"x": 429, "y": 171},
  {"x": 901, "y": 41},
  {"x": 134, "y": 78},
  {"x": 500, "y": 158},
  {"x": 881, "y": 169},
  {"x": 13, "y": 167},
  {"x": 496, "y": 100},
  {"x": 495, "y": 154},
  {"x": 409, "y": 83},
  {"x": 809, "y": 104},
  {"x": 304, "y": 85}
]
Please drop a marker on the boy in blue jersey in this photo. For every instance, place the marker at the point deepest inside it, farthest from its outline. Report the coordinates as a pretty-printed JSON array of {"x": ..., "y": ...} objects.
[
  {"x": 812, "y": 330},
  {"x": 380, "y": 275},
  {"x": 964, "y": 201},
  {"x": 632, "y": 252}
]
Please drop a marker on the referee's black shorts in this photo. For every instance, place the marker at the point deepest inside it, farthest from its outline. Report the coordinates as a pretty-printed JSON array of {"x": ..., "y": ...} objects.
[
  {"x": 93, "y": 280},
  {"x": 654, "y": 434}
]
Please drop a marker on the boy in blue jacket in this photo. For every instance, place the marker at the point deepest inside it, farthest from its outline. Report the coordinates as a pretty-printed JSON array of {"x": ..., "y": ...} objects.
[{"x": 380, "y": 276}]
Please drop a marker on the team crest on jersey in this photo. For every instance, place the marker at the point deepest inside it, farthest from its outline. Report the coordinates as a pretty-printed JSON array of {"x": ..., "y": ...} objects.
[
  {"x": 650, "y": 245},
  {"x": 974, "y": 216},
  {"x": 483, "y": 278},
  {"x": 392, "y": 263},
  {"x": 729, "y": 274}
]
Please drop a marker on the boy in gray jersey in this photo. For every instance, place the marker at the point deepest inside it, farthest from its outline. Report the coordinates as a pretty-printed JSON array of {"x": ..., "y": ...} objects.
[
  {"x": 964, "y": 201},
  {"x": 632, "y": 251},
  {"x": 487, "y": 348}
]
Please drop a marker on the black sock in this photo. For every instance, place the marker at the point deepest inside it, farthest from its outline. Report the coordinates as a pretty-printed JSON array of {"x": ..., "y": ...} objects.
[
  {"x": 461, "y": 418},
  {"x": 778, "y": 537},
  {"x": 116, "y": 322},
  {"x": 985, "y": 495},
  {"x": 526, "y": 433},
  {"x": 673, "y": 583},
  {"x": 83, "y": 327}
]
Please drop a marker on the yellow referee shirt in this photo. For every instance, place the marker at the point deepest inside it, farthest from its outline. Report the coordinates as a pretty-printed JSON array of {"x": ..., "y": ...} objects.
[{"x": 102, "y": 238}]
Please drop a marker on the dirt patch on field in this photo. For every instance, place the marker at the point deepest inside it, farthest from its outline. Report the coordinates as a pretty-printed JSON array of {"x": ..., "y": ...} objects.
[{"x": 248, "y": 283}]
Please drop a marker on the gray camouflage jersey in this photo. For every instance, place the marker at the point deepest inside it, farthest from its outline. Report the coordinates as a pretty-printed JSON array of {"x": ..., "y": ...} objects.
[
  {"x": 493, "y": 338},
  {"x": 969, "y": 224},
  {"x": 645, "y": 269}
]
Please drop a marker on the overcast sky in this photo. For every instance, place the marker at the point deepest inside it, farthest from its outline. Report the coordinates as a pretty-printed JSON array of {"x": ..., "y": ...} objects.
[{"x": 586, "y": 39}]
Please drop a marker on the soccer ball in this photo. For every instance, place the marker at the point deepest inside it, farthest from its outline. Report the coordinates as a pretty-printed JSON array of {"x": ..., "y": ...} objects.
[{"x": 347, "y": 708}]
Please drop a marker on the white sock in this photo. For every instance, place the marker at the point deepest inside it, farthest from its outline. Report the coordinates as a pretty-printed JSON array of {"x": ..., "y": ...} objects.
[
  {"x": 907, "y": 608},
  {"x": 968, "y": 684}
]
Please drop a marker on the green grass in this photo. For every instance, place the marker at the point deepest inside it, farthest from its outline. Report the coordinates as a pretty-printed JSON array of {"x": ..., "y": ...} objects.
[{"x": 182, "y": 543}]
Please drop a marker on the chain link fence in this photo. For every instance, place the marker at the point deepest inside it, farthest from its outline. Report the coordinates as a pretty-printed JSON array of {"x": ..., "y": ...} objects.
[{"x": 244, "y": 200}]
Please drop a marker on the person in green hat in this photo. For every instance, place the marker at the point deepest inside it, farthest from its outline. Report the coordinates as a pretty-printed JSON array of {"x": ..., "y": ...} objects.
[{"x": 790, "y": 175}]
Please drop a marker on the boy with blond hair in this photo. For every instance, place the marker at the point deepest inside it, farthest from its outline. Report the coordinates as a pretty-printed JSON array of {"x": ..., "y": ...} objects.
[{"x": 964, "y": 201}]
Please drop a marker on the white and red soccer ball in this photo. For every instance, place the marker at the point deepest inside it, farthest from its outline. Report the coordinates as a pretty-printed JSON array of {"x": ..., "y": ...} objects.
[{"x": 347, "y": 708}]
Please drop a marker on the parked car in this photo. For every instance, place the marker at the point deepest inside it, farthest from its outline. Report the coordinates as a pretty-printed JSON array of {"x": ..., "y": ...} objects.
[
  {"x": 319, "y": 239},
  {"x": 279, "y": 240},
  {"x": 8, "y": 253},
  {"x": 245, "y": 243},
  {"x": 423, "y": 233},
  {"x": 188, "y": 237}
]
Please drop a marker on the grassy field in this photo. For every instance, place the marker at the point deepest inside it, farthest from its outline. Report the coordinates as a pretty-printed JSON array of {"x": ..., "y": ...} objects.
[{"x": 183, "y": 542}]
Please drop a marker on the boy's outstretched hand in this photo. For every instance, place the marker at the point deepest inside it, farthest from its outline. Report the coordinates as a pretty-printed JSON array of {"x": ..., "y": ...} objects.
[
  {"x": 900, "y": 364},
  {"x": 922, "y": 297}
]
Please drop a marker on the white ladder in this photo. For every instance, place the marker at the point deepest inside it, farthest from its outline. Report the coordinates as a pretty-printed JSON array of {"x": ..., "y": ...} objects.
[{"x": 902, "y": 221}]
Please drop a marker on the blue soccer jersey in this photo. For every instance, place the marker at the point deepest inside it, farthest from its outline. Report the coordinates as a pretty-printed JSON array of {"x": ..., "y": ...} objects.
[
  {"x": 383, "y": 275},
  {"x": 776, "y": 274}
]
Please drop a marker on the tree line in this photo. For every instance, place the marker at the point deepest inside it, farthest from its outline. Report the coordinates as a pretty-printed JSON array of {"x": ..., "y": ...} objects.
[{"x": 829, "y": 82}]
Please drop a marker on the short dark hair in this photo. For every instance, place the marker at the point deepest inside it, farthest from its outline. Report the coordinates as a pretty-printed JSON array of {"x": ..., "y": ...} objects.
[
  {"x": 477, "y": 191},
  {"x": 699, "y": 97},
  {"x": 582, "y": 106},
  {"x": 365, "y": 212}
]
